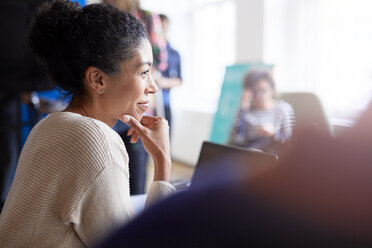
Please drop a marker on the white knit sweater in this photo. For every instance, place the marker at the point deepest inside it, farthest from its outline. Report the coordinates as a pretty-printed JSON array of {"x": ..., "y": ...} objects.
[{"x": 71, "y": 186}]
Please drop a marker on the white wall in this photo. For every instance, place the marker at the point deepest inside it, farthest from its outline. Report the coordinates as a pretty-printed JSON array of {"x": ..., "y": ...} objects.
[
  {"x": 250, "y": 30},
  {"x": 189, "y": 130}
]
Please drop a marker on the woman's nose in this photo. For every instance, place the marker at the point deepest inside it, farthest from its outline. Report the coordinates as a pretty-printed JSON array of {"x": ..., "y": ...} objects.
[{"x": 151, "y": 85}]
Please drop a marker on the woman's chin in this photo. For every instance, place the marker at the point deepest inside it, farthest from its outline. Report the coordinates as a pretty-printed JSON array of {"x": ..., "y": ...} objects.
[{"x": 137, "y": 116}]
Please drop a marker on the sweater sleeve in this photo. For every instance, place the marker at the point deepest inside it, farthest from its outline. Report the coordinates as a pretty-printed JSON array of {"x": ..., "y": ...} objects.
[
  {"x": 159, "y": 190},
  {"x": 104, "y": 206}
]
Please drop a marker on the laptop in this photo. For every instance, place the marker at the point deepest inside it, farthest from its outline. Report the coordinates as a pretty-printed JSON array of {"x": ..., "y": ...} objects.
[{"x": 219, "y": 162}]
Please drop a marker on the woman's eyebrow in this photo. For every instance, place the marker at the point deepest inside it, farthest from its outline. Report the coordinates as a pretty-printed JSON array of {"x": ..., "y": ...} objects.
[{"x": 145, "y": 63}]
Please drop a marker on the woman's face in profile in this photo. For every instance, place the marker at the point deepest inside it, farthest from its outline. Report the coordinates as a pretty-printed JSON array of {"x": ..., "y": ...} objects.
[
  {"x": 127, "y": 92},
  {"x": 262, "y": 94}
]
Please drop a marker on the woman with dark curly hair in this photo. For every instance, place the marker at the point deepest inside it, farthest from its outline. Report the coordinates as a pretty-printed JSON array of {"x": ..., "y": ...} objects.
[{"x": 72, "y": 182}]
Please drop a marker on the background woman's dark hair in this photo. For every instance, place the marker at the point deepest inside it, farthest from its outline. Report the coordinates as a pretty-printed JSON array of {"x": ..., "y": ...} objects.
[
  {"x": 163, "y": 17},
  {"x": 257, "y": 75},
  {"x": 67, "y": 39}
]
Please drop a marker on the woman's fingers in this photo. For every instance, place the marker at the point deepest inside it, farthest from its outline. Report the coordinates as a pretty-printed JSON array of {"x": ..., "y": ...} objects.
[
  {"x": 134, "y": 138},
  {"x": 146, "y": 120},
  {"x": 135, "y": 129},
  {"x": 130, "y": 131},
  {"x": 154, "y": 133},
  {"x": 151, "y": 121},
  {"x": 133, "y": 123}
]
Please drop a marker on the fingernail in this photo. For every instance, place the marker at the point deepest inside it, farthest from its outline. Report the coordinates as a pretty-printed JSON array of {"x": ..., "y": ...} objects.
[{"x": 126, "y": 118}]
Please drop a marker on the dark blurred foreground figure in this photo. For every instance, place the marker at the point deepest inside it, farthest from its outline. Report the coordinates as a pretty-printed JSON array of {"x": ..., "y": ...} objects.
[{"x": 318, "y": 196}]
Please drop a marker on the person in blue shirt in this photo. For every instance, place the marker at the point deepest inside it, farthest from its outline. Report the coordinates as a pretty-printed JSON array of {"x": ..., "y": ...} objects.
[{"x": 171, "y": 77}]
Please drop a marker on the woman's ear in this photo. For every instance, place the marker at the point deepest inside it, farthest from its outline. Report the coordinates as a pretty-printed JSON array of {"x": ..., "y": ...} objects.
[{"x": 94, "y": 78}]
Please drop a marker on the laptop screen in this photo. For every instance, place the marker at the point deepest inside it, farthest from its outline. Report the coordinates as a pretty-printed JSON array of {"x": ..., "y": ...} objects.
[{"x": 222, "y": 162}]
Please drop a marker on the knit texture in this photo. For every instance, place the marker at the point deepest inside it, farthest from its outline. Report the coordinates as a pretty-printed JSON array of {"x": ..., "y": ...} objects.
[{"x": 71, "y": 186}]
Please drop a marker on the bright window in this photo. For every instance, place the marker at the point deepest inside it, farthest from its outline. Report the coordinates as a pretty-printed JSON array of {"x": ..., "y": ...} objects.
[{"x": 323, "y": 46}]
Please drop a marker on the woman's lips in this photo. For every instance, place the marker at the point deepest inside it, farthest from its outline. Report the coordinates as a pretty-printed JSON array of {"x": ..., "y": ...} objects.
[{"x": 144, "y": 105}]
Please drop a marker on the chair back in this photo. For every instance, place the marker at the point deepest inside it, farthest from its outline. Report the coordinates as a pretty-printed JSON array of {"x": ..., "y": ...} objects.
[{"x": 308, "y": 111}]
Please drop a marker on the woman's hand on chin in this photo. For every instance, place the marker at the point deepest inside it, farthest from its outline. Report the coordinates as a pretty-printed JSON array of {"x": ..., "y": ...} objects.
[{"x": 154, "y": 133}]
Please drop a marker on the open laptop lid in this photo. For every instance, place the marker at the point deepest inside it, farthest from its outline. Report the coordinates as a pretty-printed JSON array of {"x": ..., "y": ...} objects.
[{"x": 219, "y": 162}]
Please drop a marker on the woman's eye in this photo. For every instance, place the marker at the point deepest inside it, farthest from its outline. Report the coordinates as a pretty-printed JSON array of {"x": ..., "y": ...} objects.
[{"x": 145, "y": 73}]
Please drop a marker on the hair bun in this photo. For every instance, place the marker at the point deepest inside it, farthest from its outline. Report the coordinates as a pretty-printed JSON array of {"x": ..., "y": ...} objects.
[{"x": 51, "y": 26}]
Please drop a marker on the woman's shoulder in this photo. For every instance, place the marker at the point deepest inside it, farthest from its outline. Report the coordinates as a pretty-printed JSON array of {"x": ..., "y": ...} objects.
[
  {"x": 81, "y": 128},
  {"x": 87, "y": 135},
  {"x": 72, "y": 122}
]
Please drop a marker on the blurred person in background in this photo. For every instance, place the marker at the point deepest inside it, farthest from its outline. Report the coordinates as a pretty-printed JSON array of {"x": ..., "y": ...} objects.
[
  {"x": 153, "y": 27},
  {"x": 171, "y": 77},
  {"x": 137, "y": 154},
  {"x": 262, "y": 121}
]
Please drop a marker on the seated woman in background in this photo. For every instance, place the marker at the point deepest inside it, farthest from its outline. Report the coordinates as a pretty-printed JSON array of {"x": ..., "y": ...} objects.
[
  {"x": 262, "y": 122},
  {"x": 71, "y": 187}
]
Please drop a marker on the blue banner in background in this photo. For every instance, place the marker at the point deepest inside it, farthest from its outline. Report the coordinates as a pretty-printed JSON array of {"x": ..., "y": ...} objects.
[{"x": 228, "y": 104}]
